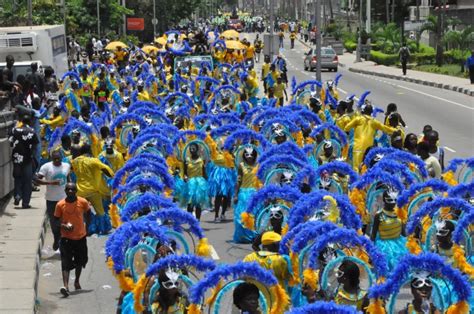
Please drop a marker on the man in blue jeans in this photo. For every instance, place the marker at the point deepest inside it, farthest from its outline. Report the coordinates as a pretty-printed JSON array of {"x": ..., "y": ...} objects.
[{"x": 23, "y": 141}]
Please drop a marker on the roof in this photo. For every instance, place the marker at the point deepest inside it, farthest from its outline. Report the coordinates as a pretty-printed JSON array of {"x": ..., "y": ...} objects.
[{"x": 27, "y": 28}]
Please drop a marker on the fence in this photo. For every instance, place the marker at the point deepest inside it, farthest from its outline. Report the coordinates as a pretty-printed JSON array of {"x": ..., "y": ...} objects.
[{"x": 7, "y": 119}]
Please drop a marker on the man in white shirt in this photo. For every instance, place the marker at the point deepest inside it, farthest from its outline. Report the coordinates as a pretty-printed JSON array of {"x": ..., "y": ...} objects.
[{"x": 55, "y": 175}]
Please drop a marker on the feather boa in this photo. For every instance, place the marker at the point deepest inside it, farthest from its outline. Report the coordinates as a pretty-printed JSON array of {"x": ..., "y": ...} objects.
[
  {"x": 311, "y": 83},
  {"x": 309, "y": 116},
  {"x": 287, "y": 148},
  {"x": 249, "y": 117},
  {"x": 459, "y": 257},
  {"x": 462, "y": 190},
  {"x": 347, "y": 237},
  {"x": 188, "y": 100},
  {"x": 266, "y": 166},
  {"x": 142, "y": 104},
  {"x": 114, "y": 216},
  {"x": 161, "y": 141},
  {"x": 145, "y": 200},
  {"x": 378, "y": 151},
  {"x": 430, "y": 208},
  {"x": 167, "y": 130},
  {"x": 306, "y": 205},
  {"x": 177, "y": 217},
  {"x": 377, "y": 175},
  {"x": 290, "y": 235},
  {"x": 433, "y": 185},
  {"x": 244, "y": 137},
  {"x": 228, "y": 118},
  {"x": 429, "y": 262},
  {"x": 126, "y": 117},
  {"x": 456, "y": 162},
  {"x": 181, "y": 262},
  {"x": 408, "y": 158},
  {"x": 340, "y": 134},
  {"x": 269, "y": 192},
  {"x": 206, "y": 120},
  {"x": 338, "y": 167},
  {"x": 268, "y": 113},
  {"x": 322, "y": 307}
]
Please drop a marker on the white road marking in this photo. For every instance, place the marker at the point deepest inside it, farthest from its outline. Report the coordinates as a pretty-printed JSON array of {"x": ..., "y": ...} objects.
[
  {"x": 436, "y": 97},
  {"x": 214, "y": 254},
  {"x": 450, "y": 149}
]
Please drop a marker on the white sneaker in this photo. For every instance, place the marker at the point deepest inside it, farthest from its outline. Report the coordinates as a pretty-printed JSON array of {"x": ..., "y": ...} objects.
[
  {"x": 217, "y": 219},
  {"x": 222, "y": 217}
]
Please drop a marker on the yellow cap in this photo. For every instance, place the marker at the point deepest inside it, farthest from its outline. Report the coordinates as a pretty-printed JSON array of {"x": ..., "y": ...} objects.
[{"x": 270, "y": 237}]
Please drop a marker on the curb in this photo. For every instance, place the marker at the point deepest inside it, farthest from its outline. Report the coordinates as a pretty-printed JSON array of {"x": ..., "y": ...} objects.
[{"x": 458, "y": 89}]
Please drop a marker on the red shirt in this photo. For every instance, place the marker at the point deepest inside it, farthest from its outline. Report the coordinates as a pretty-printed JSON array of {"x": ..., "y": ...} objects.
[{"x": 72, "y": 213}]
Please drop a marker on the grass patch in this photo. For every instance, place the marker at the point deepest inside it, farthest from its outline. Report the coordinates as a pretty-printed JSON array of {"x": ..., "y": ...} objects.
[{"x": 447, "y": 69}]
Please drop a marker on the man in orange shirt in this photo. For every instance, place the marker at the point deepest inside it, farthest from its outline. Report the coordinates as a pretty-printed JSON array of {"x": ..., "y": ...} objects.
[{"x": 71, "y": 212}]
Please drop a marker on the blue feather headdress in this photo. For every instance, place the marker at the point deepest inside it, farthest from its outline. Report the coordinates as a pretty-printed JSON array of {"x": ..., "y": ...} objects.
[
  {"x": 117, "y": 245},
  {"x": 267, "y": 166},
  {"x": 243, "y": 137},
  {"x": 249, "y": 117},
  {"x": 348, "y": 237},
  {"x": 133, "y": 185},
  {"x": 405, "y": 157},
  {"x": 287, "y": 123},
  {"x": 461, "y": 190},
  {"x": 205, "y": 119},
  {"x": 323, "y": 307},
  {"x": 236, "y": 271},
  {"x": 340, "y": 134},
  {"x": 161, "y": 141},
  {"x": 226, "y": 130},
  {"x": 287, "y": 239},
  {"x": 431, "y": 208},
  {"x": 310, "y": 231},
  {"x": 73, "y": 76},
  {"x": 337, "y": 79},
  {"x": 177, "y": 218},
  {"x": 55, "y": 139},
  {"x": 377, "y": 175},
  {"x": 182, "y": 136},
  {"x": 456, "y": 162},
  {"x": 228, "y": 117},
  {"x": 181, "y": 262},
  {"x": 126, "y": 117},
  {"x": 463, "y": 225},
  {"x": 167, "y": 130},
  {"x": 383, "y": 151},
  {"x": 144, "y": 164},
  {"x": 147, "y": 199},
  {"x": 305, "y": 207},
  {"x": 142, "y": 104},
  {"x": 75, "y": 124},
  {"x": 391, "y": 166},
  {"x": 433, "y": 184},
  {"x": 362, "y": 98},
  {"x": 219, "y": 91},
  {"x": 267, "y": 113},
  {"x": 338, "y": 167},
  {"x": 154, "y": 114},
  {"x": 187, "y": 100},
  {"x": 287, "y": 148},
  {"x": 309, "y": 116},
  {"x": 430, "y": 262},
  {"x": 308, "y": 174},
  {"x": 286, "y": 194},
  {"x": 311, "y": 83}
]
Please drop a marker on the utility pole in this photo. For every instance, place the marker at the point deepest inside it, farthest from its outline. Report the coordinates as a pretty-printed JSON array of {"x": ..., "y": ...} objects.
[
  {"x": 368, "y": 21},
  {"x": 154, "y": 21},
  {"x": 317, "y": 22},
  {"x": 30, "y": 13},
  {"x": 98, "y": 19}
]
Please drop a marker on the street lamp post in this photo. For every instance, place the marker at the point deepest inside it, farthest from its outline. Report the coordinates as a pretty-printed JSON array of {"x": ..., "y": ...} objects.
[
  {"x": 317, "y": 22},
  {"x": 272, "y": 23},
  {"x": 154, "y": 21},
  {"x": 124, "y": 4},
  {"x": 98, "y": 19},
  {"x": 359, "y": 39}
]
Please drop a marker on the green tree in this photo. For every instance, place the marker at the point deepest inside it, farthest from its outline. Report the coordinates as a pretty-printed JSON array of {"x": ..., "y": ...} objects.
[{"x": 460, "y": 39}]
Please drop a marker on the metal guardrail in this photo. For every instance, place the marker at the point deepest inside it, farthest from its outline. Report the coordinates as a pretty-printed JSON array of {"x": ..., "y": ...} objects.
[{"x": 7, "y": 120}]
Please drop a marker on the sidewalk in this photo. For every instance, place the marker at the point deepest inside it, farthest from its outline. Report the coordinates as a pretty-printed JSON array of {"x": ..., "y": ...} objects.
[
  {"x": 423, "y": 78},
  {"x": 21, "y": 239}
]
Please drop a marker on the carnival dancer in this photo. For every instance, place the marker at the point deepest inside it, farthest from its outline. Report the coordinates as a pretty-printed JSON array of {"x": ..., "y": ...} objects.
[
  {"x": 388, "y": 230},
  {"x": 247, "y": 184},
  {"x": 196, "y": 185}
]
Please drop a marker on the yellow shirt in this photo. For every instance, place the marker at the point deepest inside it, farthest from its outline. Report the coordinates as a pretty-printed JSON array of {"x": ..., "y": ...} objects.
[
  {"x": 116, "y": 160},
  {"x": 120, "y": 55},
  {"x": 144, "y": 96},
  {"x": 279, "y": 89},
  {"x": 249, "y": 176},
  {"x": 194, "y": 167},
  {"x": 88, "y": 171},
  {"x": 249, "y": 53},
  {"x": 271, "y": 261},
  {"x": 265, "y": 70},
  {"x": 364, "y": 131}
]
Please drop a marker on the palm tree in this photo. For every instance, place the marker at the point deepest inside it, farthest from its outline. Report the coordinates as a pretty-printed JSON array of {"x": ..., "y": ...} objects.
[
  {"x": 460, "y": 39},
  {"x": 433, "y": 25}
]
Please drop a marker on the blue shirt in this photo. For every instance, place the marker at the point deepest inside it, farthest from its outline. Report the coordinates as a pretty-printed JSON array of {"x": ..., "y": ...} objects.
[{"x": 470, "y": 61}]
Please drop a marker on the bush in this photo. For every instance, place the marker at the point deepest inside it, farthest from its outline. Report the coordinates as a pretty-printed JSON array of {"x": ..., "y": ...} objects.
[
  {"x": 426, "y": 49},
  {"x": 384, "y": 59},
  {"x": 455, "y": 56},
  {"x": 350, "y": 46},
  {"x": 424, "y": 58}
]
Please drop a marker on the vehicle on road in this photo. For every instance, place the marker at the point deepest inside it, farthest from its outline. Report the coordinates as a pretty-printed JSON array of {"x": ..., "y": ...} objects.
[{"x": 329, "y": 59}]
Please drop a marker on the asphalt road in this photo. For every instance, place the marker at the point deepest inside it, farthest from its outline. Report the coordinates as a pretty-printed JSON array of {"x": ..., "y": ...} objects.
[{"x": 448, "y": 112}]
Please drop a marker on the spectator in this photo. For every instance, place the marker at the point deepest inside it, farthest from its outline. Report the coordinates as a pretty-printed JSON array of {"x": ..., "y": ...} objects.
[
  {"x": 37, "y": 80},
  {"x": 431, "y": 163},
  {"x": 10, "y": 61},
  {"x": 23, "y": 141},
  {"x": 54, "y": 175},
  {"x": 70, "y": 213},
  {"x": 404, "y": 54},
  {"x": 281, "y": 36},
  {"x": 470, "y": 66},
  {"x": 292, "y": 39}
]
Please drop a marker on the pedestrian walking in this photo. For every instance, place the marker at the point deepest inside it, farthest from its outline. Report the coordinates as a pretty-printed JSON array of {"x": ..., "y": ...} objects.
[
  {"x": 470, "y": 66},
  {"x": 23, "y": 141},
  {"x": 281, "y": 36},
  {"x": 73, "y": 215},
  {"x": 55, "y": 175},
  {"x": 404, "y": 54},
  {"x": 292, "y": 39}
]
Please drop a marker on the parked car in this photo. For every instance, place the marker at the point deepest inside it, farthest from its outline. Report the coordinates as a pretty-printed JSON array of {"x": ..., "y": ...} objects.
[{"x": 329, "y": 59}]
